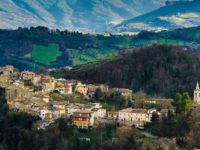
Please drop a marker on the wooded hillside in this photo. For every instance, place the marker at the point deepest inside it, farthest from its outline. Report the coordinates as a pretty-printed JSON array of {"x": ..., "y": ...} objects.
[{"x": 157, "y": 70}]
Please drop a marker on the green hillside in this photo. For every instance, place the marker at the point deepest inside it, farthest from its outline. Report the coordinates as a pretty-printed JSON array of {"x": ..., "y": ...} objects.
[
  {"x": 92, "y": 55},
  {"x": 45, "y": 54},
  {"x": 40, "y": 47}
]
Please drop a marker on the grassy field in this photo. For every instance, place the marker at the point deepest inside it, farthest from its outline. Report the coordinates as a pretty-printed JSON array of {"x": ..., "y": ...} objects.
[
  {"x": 170, "y": 41},
  {"x": 45, "y": 54},
  {"x": 91, "y": 55}
]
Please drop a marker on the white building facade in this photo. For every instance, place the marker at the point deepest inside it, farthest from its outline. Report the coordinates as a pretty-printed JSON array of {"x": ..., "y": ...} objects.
[{"x": 197, "y": 94}]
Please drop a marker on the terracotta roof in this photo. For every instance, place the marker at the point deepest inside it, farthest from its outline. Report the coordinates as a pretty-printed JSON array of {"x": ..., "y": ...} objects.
[{"x": 83, "y": 112}]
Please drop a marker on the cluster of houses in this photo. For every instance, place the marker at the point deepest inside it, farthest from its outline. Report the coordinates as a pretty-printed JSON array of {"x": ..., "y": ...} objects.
[{"x": 30, "y": 92}]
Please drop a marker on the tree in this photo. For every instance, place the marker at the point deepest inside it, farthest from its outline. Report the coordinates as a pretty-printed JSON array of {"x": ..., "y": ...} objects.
[
  {"x": 186, "y": 102},
  {"x": 181, "y": 102}
]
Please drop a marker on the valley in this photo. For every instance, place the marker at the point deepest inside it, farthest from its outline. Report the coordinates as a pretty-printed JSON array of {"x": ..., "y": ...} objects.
[
  {"x": 99, "y": 75},
  {"x": 25, "y": 48}
]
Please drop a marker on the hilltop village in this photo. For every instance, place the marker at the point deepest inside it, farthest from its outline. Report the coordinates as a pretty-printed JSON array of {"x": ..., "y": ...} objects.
[
  {"x": 50, "y": 99},
  {"x": 39, "y": 95},
  {"x": 71, "y": 104}
]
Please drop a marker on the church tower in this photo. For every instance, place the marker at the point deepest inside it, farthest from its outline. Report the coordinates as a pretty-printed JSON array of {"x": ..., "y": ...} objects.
[{"x": 197, "y": 94}]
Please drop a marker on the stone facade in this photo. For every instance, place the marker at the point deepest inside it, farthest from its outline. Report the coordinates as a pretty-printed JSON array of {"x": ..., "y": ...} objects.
[{"x": 197, "y": 94}]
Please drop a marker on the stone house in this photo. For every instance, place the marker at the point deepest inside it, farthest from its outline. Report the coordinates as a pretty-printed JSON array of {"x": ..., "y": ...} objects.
[
  {"x": 126, "y": 93},
  {"x": 48, "y": 83},
  {"x": 99, "y": 112},
  {"x": 27, "y": 75},
  {"x": 46, "y": 114},
  {"x": 83, "y": 119},
  {"x": 64, "y": 87},
  {"x": 139, "y": 115},
  {"x": 71, "y": 108},
  {"x": 112, "y": 115},
  {"x": 81, "y": 88}
]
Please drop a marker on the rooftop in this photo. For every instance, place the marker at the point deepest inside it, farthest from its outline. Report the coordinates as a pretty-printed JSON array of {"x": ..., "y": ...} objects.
[
  {"x": 131, "y": 110},
  {"x": 83, "y": 112}
]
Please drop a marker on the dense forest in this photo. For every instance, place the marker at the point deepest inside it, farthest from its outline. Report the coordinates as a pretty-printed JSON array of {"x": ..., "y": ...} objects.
[{"x": 160, "y": 70}]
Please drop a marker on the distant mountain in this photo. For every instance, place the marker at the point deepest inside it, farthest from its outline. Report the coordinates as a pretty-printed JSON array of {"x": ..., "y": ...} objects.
[
  {"x": 85, "y": 15},
  {"x": 173, "y": 15},
  {"x": 185, "y": 37},
  {"x": 156, "y": 70}
]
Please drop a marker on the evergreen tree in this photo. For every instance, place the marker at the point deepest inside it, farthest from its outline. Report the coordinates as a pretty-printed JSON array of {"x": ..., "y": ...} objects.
[{"x": 181, "y": 102}]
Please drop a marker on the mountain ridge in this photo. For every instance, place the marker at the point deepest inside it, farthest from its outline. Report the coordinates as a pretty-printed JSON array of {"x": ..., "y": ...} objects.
[
  {"x": 90, "y": 15},
  {"x": 174, "y": 15}
]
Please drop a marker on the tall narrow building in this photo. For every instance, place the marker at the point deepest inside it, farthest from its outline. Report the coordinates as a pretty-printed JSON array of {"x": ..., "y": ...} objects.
[{"x": 197, "y": 94}]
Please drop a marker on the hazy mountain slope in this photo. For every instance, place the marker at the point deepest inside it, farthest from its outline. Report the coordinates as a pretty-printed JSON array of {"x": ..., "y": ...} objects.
[
  {"x": 72, "y": 14},
  {"x": 174, "y": 15},
  {"x": 185, "y": 37}
]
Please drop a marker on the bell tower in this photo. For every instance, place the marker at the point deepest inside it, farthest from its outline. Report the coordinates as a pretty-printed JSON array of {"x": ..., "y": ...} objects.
[{"x": 197, "y": 94}]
